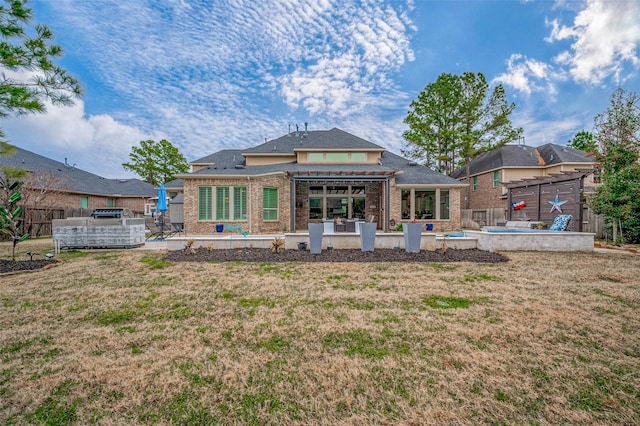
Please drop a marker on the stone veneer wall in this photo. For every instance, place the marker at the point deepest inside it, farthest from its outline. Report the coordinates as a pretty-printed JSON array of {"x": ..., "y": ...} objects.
[{"x": 254, "y": 222}]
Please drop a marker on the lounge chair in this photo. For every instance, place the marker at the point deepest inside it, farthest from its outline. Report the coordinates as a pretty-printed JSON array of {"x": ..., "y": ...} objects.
[
  {"x": 560, "y": 223},
  {"x": 159, "y": 231}
]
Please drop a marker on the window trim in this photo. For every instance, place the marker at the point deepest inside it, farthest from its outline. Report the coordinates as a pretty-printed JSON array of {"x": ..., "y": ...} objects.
[
  {"x": 437, "y": 215},
  {"x": 496, "y": 178},
  {"x": 347, "y": 192},
  {"x": 474, "y": 183}
]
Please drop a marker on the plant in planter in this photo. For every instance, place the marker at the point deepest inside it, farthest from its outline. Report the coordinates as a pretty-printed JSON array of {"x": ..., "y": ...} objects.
[{"x": 540, "y": 225}]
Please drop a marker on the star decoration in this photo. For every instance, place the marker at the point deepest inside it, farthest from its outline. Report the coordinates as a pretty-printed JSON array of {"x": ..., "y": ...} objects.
[{"x": 556, "y": 204}]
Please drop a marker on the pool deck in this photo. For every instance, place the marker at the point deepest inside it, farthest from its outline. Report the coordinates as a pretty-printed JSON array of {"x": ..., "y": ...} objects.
[{"x": 533, "y": 240}]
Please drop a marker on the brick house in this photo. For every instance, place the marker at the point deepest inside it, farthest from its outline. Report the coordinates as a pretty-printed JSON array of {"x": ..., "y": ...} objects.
[
  {"x": 490, "y": 171},
  {"x": 309, "y": 176},
  {"x": 50, "y": 184}
]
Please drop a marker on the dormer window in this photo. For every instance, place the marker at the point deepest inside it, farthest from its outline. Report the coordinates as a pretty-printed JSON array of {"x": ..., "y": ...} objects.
[{"x": 337, "y": 157}]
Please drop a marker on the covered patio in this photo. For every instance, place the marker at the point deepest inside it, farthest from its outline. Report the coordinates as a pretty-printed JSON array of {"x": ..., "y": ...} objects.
[{"x": 343, "y": 198}]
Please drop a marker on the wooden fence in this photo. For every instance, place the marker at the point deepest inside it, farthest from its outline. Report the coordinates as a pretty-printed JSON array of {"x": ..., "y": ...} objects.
[
  {"x": 594, "y": 223},
  {"x": 475, "y": 219}
]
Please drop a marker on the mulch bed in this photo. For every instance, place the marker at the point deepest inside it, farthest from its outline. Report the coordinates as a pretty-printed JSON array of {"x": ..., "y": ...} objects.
[
  {"x": 12, "y": 266},
  {"x": 378, "y": 255}
]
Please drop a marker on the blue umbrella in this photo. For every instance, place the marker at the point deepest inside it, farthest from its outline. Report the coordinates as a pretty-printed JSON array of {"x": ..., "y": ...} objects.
[{"x": 162, "y": 204}]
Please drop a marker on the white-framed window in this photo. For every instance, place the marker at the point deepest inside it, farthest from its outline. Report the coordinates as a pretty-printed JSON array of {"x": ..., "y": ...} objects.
[
  {"x": 425, "y": 203},
  {"x": 269, "y": 204},
  {"x": 332, "y": 201}
]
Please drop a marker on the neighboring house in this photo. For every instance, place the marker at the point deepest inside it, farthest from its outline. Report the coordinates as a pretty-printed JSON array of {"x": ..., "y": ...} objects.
[
  {"x": 51, "y": 184},
  {"x": 309, "y": 176},
  {"x": 174, "y": 187},
  {"x": 490, "y": 171}
]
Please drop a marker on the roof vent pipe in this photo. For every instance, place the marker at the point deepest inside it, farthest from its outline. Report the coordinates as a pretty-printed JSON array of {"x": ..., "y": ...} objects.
[
  {"x": 297, "y": 132},
  {"x": 306, "y": 133},
  {"x": 289, "y": 134}
]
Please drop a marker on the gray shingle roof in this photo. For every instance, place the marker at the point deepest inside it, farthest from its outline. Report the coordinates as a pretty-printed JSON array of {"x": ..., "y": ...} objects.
[
  {"x": 226, "y": 156},
  {"x": 415, "y": 174},
  {"x": 523, "y": 156},
  {"x": 228, "y": 163},
  {"x": 68, "y": 178},
  {"x": 314, "y": 139}
]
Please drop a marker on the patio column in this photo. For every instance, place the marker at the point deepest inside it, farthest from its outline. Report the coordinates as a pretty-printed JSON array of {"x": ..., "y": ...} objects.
[
  {"x": 385, "y": 228},
  {"x": 292, "y": 206}
]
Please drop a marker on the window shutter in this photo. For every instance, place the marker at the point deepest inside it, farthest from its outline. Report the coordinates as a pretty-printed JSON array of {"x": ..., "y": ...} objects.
[
  {"x": 204, "y": 203},
  {"x": 240, "y": 203},
  {"x": 270, "y": 203},
  {"x": 222, "y": 203}
]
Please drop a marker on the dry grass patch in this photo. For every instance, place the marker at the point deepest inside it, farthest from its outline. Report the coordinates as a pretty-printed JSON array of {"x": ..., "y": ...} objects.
[{"x": 123, "y": 337}]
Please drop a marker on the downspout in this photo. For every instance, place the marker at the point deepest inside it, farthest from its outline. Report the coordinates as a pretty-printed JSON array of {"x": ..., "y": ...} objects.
[
  {"x": 249, "y": 204},
  {"x": 508, "y": 204},
  {"x": 292, "y": 220}
]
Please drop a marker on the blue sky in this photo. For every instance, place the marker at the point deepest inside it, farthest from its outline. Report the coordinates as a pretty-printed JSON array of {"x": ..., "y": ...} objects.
[{"x": 210, "y": 75}]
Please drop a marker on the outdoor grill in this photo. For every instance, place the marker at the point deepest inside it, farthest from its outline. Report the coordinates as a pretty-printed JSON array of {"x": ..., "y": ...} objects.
[{"x": 111, "y": 213}]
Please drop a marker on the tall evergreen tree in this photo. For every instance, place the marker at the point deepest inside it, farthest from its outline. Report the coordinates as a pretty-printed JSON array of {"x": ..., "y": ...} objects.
[{"x": 455, "y": 119}]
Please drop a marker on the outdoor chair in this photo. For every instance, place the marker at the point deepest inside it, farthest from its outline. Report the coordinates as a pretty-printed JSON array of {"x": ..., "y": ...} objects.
[
  {"x": 159, "y": 231},
  {"x": 560, "y": 223},
  {"x": 350, "y": 225}
]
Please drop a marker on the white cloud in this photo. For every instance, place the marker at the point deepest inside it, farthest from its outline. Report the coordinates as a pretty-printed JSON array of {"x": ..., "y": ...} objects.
[
  {"x": 228, "y": 75},
  {"x": 529, "y": 75},
  {"x": 97, "y": 144},
  {"x": 605, "y": 38},
  {"x": 373, "y": 42}
]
